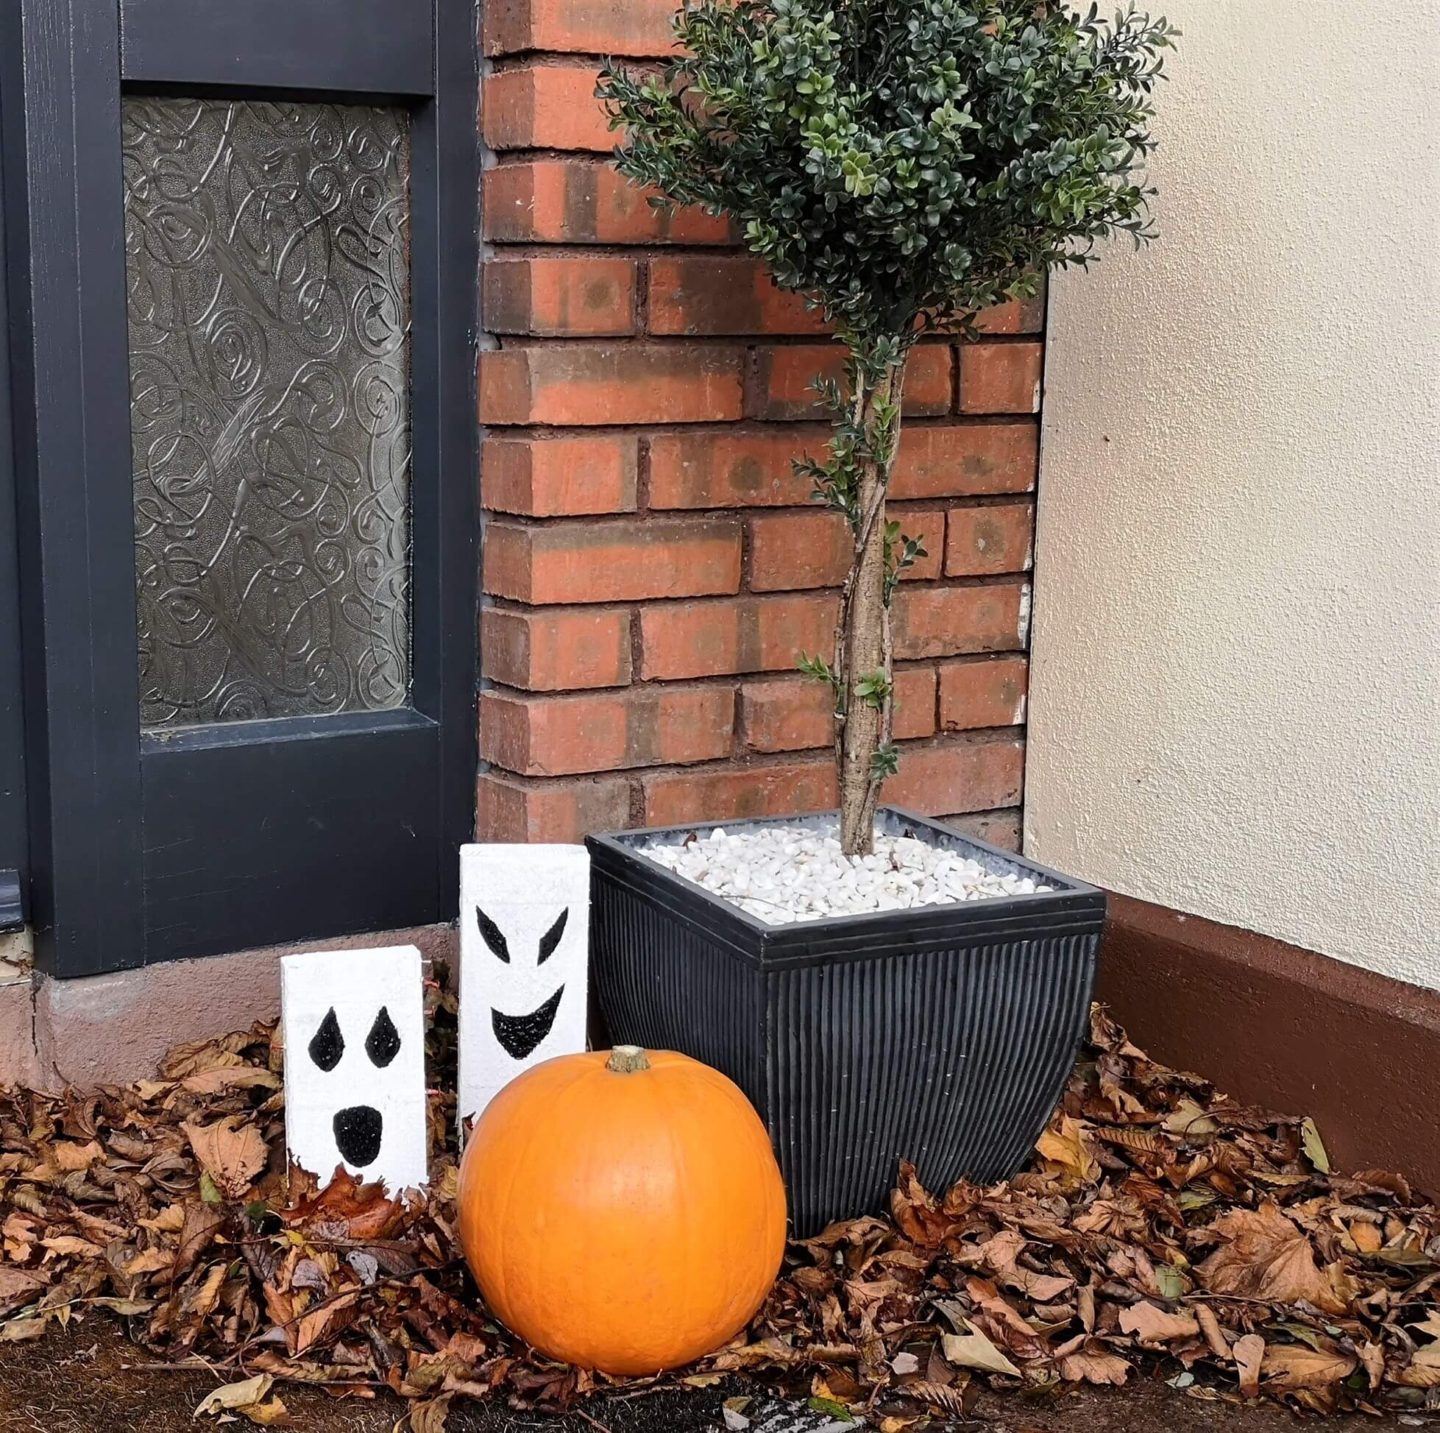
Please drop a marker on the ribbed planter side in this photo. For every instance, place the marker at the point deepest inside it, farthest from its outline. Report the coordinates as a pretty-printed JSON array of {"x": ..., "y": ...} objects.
[
  {"x": 943, "y": 1036},
  {"x": 952, "y": 1059},
  {"x": 691, "y": 998}
]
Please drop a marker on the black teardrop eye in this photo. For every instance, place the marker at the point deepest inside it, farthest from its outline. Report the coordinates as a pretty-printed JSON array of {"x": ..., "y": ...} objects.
[
  {"x": 327, "y": 1044},
  {"x": 551, "y": 938},
  {"x": 382, "y": 1044},
  {"x": 494, "y": 936}
]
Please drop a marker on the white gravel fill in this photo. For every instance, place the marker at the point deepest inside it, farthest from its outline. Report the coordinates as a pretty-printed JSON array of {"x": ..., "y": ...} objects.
[{"x": 798, "y": 873}]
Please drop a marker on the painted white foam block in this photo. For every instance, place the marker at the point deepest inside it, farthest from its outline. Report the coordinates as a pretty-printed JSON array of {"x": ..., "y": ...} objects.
[
  {"x": 355, "y": 1064},
  {"x": 524, "y": 962}
]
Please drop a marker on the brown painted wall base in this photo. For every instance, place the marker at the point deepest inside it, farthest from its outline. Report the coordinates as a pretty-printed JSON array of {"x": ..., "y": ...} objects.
[{"x": 1278, "y": 1026}]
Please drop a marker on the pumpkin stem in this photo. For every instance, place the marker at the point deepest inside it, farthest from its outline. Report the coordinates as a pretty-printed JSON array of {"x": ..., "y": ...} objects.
[{"x": 627, "y": 1060}]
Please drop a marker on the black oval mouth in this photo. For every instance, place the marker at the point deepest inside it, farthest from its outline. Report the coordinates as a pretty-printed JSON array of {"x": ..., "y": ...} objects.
[
  {"x": 358, "y": 1129},
  {"x": 519, "y": 1035}
]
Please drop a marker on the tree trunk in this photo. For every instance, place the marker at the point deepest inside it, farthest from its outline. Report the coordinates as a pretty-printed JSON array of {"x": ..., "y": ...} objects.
[
  {"x": 864, "y": 653},
  {"x": 863, "y": 648}
]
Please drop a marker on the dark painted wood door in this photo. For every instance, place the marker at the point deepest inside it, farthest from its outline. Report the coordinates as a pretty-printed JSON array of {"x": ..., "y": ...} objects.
[
  {"x": 243, "y": 270},
  {"x": 14, "y": 864}
]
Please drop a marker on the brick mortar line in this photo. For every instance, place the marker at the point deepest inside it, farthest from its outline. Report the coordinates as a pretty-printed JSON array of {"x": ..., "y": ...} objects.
[
  {"x": 509, "y": 158},
  {"x": 512, "y": 606},
  {"x": 915, "y": 584},
  {"x": 658, "y": 519},
  {"x": 536, "y": 58},
  {"x": 644, "y": 251},
  {"x": 789, "y": 676},
  {"x": 748, "y": 760},
  {"x": 960, "y": 503},
  {"x": 483, "y": 341},
  {"x": 756, "y": 342},
  {"x": 755, "y": 427}
]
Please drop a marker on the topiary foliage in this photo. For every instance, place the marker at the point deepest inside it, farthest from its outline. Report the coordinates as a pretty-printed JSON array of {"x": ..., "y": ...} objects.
[{"x": 904, "y": 164}]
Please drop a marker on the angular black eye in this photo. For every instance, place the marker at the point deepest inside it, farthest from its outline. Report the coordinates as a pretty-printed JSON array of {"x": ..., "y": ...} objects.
[
  {"x": 551, "y": 938},
  {"x": 327, "y": 1044},
  {"x": 493, "y": 935},
  {"x": 382, "y": 1044}
]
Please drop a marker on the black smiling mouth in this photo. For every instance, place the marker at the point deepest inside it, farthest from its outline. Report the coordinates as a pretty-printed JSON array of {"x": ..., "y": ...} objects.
[{"x": 519, "y": 1035}]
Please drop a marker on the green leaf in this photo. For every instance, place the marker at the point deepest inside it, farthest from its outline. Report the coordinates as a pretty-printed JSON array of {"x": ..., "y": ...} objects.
[
  {"x": 209, "y": 1194},
  {"x": 831, "y": 1407},
  {"x": 1170, "y": 1280},
  {"x": 885, "y": 763},
  {"x": 816, "y": 667}
]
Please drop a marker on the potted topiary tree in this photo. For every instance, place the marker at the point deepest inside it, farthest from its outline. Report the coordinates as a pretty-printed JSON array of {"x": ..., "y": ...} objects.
[{"x": 904, "y": 164}]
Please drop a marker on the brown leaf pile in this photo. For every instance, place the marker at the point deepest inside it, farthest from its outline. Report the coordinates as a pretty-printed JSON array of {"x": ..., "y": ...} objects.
[{"x": 1160, "y": 1227}]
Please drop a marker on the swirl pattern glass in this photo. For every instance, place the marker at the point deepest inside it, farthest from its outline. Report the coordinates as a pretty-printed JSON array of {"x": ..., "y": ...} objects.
[{"x": 268, "y": 272}]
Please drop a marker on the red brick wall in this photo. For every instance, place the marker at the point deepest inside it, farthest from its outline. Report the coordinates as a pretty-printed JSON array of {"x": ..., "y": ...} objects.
[{"x": 651, "y": 565}]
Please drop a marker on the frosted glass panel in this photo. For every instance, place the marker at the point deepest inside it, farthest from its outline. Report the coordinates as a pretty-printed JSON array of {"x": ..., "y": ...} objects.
[{"x": 267, "y": 258}]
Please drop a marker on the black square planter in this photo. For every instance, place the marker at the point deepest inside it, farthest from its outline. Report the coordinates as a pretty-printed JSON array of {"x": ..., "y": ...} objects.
[{"x": 942, "y": 1034}]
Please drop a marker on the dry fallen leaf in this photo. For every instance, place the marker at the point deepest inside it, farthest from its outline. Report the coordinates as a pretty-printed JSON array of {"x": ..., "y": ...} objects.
[
  {"x": 224, "y": 1077},
  {"x": 1372, "y": 1357},
  {"x": 266, "y": 1414},
  {"x": 1002, "y": 1253},
  {"x": 71, "y": 1156},
  {"x": 70, "y": 1245},
  {"x": 430, "y": 1415},
  {"x": 938, "y": 1395},
  {"x": 1215, "y": 1337},
  {"x": 1314, "y": 1146},
  {"x": 233, "y": 1396},
  {"x": 1153, "y": 1325},
  {"x": 1066, "y": 1147},
  {"x": 1366, "y": 1236},
  {"x": 1092, "y": 1364},
  {"x": 1417, "y": 1376},
  {"x": 974, "y": 1350},
  {"x": 1189, "y": 1121},
  {"x": 1292, "y": 1367},
  {"x": 230, "y": 1152},
  {"x": 1266, "y": 1256},
  {"x": 19, "y": 1287},
  {"x": 1249, "y": 1353}
]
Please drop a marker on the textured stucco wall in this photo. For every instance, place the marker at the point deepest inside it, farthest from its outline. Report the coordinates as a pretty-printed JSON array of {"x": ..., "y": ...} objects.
[{"x": 1236, "y": 672}]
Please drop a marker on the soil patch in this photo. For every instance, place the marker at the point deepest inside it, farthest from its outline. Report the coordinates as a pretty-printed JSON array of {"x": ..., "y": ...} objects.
[{"x": 92, "y": 1378}]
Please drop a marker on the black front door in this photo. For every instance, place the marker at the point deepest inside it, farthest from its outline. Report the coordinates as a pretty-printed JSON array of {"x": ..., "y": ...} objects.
[
  {"x": 13, "y": 859},
  {"x": 242, "y": 278}
]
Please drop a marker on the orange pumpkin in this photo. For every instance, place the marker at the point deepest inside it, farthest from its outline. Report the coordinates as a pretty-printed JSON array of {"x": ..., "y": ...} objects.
[{"x": 622, "y": 1211}]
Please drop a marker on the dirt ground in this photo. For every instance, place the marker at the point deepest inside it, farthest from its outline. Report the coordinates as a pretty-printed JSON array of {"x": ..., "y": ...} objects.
[{"x": 91, "y": 1378}]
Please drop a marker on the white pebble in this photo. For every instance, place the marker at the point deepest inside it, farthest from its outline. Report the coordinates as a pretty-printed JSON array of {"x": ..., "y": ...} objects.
[{"x": 795, "y": 873}]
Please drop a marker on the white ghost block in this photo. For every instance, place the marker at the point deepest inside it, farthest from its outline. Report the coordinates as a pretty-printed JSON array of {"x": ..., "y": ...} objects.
[
  {"x": 524, "y": 958},
  {"x": 355, "y": 1064}
]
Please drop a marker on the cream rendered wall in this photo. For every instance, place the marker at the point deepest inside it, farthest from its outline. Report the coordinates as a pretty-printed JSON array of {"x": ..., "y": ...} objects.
[{"x": 1235, "y": 701}]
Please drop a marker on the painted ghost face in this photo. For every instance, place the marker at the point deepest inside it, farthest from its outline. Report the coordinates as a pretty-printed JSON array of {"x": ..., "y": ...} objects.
[
  {"x": 355, "y": 1064},
  {"x": 524, "y": 940}
]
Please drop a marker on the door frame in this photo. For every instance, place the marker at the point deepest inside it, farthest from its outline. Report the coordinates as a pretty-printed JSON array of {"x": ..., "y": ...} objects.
[
  {"x": 64, "y": 196},
  {"x": 13, "y": 836}
]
